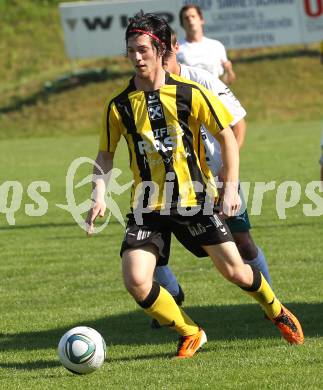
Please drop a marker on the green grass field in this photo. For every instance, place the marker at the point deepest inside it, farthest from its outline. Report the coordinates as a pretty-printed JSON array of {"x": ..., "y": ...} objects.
[{"x": 54, "y": 278}]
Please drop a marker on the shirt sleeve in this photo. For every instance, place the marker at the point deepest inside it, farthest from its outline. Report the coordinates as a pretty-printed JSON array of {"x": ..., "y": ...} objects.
[
  {"x": 222, "y": 52},
  {"x": 223, "y": 58},
  {"x": 210, "y": 110},
  {"x": 110, "y": 130}
]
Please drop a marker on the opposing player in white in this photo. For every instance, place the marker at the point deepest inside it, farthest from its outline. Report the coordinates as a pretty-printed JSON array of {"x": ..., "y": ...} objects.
[
  {"x": 239, "y": 225},
  {"x": 199, "y": 51}
]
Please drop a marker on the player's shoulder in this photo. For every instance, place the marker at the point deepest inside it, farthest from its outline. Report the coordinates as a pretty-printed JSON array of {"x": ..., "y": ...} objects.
[
  {"x": 203, "y": 77},
  {"x": 196, "y": 74},
  {"x": 212, "y": 42},
  {"x": 184, "y": 45},
  {"x": 190, "y": 84},
  {"x": 121, "y": 93},
  {"x": 183, "y": 81},
  {"x": 182, "y": 41}
]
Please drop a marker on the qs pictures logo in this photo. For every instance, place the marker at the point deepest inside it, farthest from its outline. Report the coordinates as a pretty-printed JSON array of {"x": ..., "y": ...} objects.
[
  {"x": 113, "y": 188},
  {"x": 12, "y": 196}
]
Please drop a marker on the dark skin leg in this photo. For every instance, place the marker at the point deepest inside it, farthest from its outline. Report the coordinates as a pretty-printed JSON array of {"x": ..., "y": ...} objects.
[{"x": 246, "y": 246}]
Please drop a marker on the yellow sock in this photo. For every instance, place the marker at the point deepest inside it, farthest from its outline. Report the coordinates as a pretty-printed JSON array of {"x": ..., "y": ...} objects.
[
  {"x": 167, "y": 312},
  {"x": 267, "y": 299}
]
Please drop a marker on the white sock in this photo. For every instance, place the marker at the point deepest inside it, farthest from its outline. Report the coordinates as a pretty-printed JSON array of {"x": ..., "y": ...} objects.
[
  {"x": 261, "y": 263},
  {"x": 167, "y": 279}
]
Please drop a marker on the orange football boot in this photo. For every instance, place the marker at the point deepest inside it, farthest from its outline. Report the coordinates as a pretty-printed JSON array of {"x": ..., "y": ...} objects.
[
  {"x": 188, "y": 345},
  {"x": 289, "y": 327}
]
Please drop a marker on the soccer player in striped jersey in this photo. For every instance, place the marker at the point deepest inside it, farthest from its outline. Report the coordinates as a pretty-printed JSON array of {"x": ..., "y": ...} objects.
[
  {"x": 160, "y": 116},
  {"x": 239, "y": 224}
]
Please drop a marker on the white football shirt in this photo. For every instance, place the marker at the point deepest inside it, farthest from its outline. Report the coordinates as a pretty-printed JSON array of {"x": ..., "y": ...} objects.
[{"x": 208, "y": 54}]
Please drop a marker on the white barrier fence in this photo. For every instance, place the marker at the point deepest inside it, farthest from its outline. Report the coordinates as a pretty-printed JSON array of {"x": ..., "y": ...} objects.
[{"x": 96, "y": 29}]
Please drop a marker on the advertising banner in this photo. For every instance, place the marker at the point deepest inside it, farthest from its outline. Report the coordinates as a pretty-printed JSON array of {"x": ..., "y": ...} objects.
[
  {"x": 240, "y": 24},
  {"x": 96, "y": 29},
  {"x": 311, "y": 16}
]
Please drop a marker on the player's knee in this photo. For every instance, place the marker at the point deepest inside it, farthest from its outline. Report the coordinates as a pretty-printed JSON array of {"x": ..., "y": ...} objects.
[
  {"x": 137, "y": 285},
  {"x": 138, "y": 292},
  {"x": 237, "y": 275}
]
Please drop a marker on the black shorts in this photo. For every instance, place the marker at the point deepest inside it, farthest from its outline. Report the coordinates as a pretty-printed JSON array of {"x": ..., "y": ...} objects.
[{"x": 192, "y": 232}]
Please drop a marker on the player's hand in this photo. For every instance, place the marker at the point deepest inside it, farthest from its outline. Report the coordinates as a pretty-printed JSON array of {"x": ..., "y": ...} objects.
[
  {"x": 231, "y": 201},
  {"x": 98, "y": 209}
]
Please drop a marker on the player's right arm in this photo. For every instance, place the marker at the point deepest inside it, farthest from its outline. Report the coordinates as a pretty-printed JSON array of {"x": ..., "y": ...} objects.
[
  {"x": 109, "y": 138},
  {"x": 104, "y": 164}
]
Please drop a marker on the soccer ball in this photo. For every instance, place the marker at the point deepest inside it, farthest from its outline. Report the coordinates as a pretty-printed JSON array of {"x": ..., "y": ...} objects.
[{"x": 82, "y": 350}]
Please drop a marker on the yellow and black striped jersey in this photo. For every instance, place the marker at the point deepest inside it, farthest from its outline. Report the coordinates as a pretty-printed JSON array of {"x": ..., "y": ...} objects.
[{"x": 162, "y": 130}]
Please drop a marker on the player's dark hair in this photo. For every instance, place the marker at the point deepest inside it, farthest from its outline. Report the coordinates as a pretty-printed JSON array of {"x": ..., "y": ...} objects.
[
  {"x": 173, "y": 38},
  {"x": 186, "y": 8},
  {"x": 173, "y": 43},
  {"x": 156, "y": 28}
]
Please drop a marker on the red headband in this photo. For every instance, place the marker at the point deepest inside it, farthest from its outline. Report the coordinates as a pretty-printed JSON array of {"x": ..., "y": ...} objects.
[{"x": 137, "y": 30}]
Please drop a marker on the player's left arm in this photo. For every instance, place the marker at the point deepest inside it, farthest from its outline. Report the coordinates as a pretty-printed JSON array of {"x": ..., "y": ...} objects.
[
  {"x": 230, "y": 156},
  {"x": 239, "y": 131}
]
